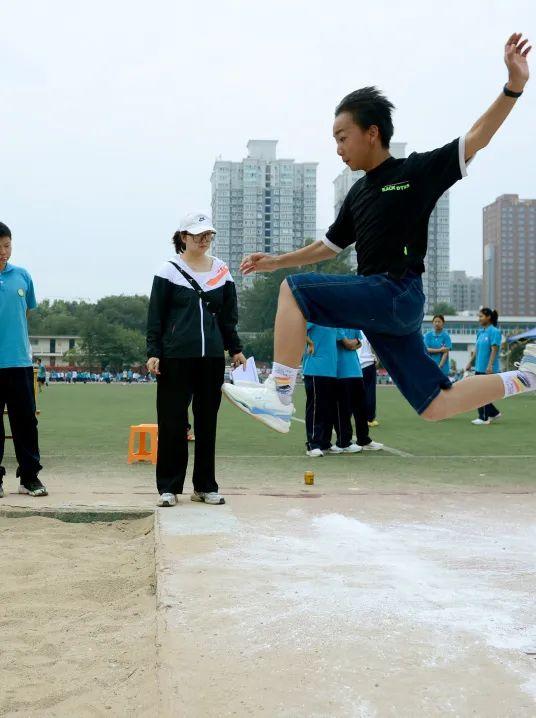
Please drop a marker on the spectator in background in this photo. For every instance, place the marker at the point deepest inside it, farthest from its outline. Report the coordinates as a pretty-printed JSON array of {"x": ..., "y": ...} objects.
[
  {"x": 350, "y": 393},
  {"x": 438, "y": 343},
  {"x": 319, "y": 368},
  {"x": 17, "y": 298},
  {"x": 486, "y": 359},
  {"x": 41, "y": 375},
  {"x": 367, "y": 361}
]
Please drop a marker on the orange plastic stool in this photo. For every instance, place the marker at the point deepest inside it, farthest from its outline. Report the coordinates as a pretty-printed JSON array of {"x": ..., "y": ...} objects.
[{"x": 143, "y": 453}]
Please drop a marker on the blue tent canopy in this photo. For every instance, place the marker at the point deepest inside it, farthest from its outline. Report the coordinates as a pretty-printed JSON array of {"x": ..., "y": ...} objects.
[{"x": 531, "y": 334}]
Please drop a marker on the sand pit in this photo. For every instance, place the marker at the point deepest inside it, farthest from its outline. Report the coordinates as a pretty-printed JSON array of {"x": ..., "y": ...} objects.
[{"x": 77, "y": 618}]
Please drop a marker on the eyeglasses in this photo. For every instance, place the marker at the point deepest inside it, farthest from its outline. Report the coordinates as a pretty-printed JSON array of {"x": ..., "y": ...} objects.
[{"x": 203, "y": 237}]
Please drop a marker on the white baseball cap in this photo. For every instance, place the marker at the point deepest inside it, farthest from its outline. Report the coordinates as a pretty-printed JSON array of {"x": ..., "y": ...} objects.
[{"x": 196, "y": 223}]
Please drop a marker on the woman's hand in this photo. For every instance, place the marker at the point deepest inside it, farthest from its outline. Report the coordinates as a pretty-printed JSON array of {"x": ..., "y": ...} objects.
[
  {"x": 153, "y": 365},
  {"x": 237, "y": 360},
  {"x": 489, "y": 370},
  {"x": 258, "y": 262}
]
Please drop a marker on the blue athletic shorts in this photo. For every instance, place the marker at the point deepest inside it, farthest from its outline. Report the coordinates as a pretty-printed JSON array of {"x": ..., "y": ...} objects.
[{"x": 389, "y": 311}]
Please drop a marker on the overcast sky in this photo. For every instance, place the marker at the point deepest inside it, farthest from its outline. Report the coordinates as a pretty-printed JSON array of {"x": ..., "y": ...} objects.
[{"x": 112, "y": 114}]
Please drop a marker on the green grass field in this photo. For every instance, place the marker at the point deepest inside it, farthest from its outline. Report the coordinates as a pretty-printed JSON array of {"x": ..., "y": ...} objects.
[{"x": 84, "y": 428}]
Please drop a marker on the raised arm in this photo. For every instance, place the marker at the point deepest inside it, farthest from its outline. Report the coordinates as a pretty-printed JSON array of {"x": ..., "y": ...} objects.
[
  {"x": 515, "y": 58},
  {"x": 311, "y": 254}
]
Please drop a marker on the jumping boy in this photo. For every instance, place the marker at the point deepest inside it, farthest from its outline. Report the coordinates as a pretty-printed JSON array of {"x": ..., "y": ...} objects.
[{"x": 386, "y": 215}]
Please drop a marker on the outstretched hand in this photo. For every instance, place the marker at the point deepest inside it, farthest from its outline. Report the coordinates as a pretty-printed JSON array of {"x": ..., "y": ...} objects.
[
  {"x": 258, "y": 262},
  {"x": 515, "y": 58}
]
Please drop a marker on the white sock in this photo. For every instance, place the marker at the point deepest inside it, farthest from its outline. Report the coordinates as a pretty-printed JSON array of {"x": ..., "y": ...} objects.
[
  {"x": 518, "y": 382},
  {"x": 285, "y": 381}
]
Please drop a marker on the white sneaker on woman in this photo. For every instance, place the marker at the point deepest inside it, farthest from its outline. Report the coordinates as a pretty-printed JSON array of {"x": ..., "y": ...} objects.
[
  {"x": 481, "y": 422},
  {"x": 207, "y": 497},
  {"x": 167, "y": 500}
]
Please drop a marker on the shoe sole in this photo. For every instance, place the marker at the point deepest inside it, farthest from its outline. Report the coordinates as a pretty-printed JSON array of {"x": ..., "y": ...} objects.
[
  {"x": 372, "y": 448},
  {"x": 38, "y": 493},
  {"x": 166, "y": 504},
  {"x": 272, "y": 422}
]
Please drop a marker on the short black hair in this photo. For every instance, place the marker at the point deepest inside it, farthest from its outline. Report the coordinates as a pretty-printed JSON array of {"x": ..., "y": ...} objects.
[
  {"x": 178, "y": 242},
  {"x": 4, "y": 230},
  {"x": 439, "y": 316},
  {"x": 368, "y": 106}
]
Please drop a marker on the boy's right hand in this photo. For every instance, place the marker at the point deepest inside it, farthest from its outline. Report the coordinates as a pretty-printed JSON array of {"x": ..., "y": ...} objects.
[{"x": 258, "y": 262}]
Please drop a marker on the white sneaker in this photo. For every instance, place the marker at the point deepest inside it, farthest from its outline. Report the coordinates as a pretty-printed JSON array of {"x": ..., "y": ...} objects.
[
  {"x": 481, "y": 422},
  {"x": 352, "y": 449},
  {"x": 167, "y": 500},
  {"x": 334, "y": 449},
  {"x": 209, "y": 497},
  {"x": 495, "y": 418},
  {"x": 373, "y": 446},
  {"x": 262, "y": 403},
  {"x": 528, "y": 360},
  {"x": 314, "y": 453}
]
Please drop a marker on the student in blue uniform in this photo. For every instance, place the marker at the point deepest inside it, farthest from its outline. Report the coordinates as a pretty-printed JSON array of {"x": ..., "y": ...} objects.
[
  {"x": 319, "y": 370},
  {"x": 486, "y": 358},
  {"x": 17, "y": 298},
  {"x": 351, "y": 398},
  {"x": 438, "y": 343},
  {"x": 41, "y": 374}
]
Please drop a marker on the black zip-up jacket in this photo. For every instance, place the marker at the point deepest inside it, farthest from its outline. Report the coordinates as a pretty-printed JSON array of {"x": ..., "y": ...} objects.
[{"x": 180, "y": 326}]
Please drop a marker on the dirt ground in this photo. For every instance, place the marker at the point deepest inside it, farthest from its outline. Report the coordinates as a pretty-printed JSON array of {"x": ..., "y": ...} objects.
[{"x": 77, "y": 618}]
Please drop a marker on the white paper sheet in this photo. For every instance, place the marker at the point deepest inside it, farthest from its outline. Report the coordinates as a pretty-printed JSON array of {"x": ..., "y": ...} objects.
[{"x": 249, "y": 373}]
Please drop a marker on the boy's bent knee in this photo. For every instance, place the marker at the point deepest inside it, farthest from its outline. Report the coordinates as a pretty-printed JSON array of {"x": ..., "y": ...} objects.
[{"x": 435, "y": 411}]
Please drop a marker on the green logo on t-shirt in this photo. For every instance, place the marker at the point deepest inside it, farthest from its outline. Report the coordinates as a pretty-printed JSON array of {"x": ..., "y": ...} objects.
[{"x": 397, "y": 186}]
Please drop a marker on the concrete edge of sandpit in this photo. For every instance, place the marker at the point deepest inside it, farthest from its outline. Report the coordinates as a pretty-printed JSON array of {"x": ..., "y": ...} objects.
[{"x": 164, "y": 667}]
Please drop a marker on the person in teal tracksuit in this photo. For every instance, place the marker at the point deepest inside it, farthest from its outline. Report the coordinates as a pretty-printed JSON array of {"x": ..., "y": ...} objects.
[
  {"x": 319, "y": 369},
  {"x": 351, "y": 397},
  {"x": 486, "y": 358},
  {"x": 438, "y": 343}
]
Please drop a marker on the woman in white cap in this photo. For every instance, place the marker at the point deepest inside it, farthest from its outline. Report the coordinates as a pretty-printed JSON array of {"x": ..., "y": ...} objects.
[{"x": 191, "y": 322}]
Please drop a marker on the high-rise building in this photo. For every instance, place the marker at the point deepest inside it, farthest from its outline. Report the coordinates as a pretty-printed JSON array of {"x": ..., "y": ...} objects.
[
  {"x": 262, "y": 204},
  {"x": 436, "y": 277},
  {"x": 509, "y": 245},
  {"x": 465, "y": 292}
]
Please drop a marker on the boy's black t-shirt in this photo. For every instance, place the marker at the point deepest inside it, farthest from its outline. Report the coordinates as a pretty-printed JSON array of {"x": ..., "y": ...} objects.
[{"x": 386, "y": 212}]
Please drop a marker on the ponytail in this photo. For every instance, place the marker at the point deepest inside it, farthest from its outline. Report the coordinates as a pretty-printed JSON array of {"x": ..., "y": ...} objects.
[{"x": 493, "y": 314}]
